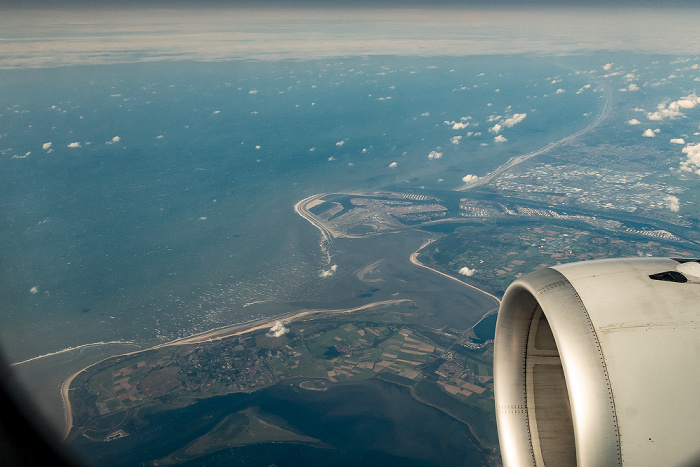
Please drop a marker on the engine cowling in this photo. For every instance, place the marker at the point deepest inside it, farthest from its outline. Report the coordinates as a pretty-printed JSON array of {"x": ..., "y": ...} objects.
[{"x": 598, "y": 364}]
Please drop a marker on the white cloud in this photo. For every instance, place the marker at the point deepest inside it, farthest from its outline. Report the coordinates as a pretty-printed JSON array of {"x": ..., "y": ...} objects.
[
  {"x": 340, "y": 143},
  {"x": 673, "y": 109},
  {"x": 560, "y": 91},
  {"x": 499, "y": 139},
  {"x": 393, "y": 165},
  {"x": 329, "y": 272},
  {"x": 587, "y": 86},
  {"x": 46, "y": 146},
  {"x": 34, "y": 290},
  {"x": 425, "y": 114},
  {"x": 116, "y": 139},
  {"x": 455, "y": 139},
  {"x": 434, "y": 155},
  {"x": 692, "y": 163},
  {"x": 634, "y": 121},
  {"x": 465, "y": 271},
  {"x": 493, "y": 118},
  {"x": 331, "y": 158},
  {"x": 216, "y": 112},
  {"x": 470, "y": 178},
  {"x": 607, "y": 66},
  {"x": 649, "y": 133},
  {"x": 277, "y": 330},
  {"x": 74, "y": 145},
  {"x": 160, "y": 137},
  {"x": 253, "y": 91},
  {"x": 677, "y": 141},
  {"x": 508, "y": 122},
  {"x": 517, "y": 118},
  {"x": 633, "y": 87},
  {"x": 673, "y": 203},
  {"x": 257, "y": 146},
  {"x": 460, "y": 125}
]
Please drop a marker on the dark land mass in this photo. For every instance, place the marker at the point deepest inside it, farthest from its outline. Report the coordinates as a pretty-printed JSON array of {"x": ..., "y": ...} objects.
[{"x": 368, "y": 384}]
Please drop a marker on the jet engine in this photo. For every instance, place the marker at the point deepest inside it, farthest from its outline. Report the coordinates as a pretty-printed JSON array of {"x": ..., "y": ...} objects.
[{"x": 597, "y": 363}]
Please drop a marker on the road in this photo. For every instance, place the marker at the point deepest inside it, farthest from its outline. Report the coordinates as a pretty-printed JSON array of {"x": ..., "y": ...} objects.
[{"x": 520, "y": 159}]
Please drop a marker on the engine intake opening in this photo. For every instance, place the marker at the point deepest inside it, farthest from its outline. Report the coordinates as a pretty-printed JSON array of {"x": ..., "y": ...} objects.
[{"x": 548, "y": 407}]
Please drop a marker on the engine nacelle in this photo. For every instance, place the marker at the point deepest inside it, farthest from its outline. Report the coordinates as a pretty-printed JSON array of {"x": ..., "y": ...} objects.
[{"x": 598, "y": 364}]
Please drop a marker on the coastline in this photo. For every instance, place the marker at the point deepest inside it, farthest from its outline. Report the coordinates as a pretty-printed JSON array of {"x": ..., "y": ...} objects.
[
  {"x": 414, "y": 259},
  {"x": 211, "y": 336}
]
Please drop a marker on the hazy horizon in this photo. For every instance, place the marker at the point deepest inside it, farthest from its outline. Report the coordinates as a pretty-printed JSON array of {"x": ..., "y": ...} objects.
[{"x": 69, "y": 36}]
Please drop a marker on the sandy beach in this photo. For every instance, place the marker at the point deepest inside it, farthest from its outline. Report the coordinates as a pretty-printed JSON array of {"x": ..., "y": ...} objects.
[{"x": 414, "y": 260}]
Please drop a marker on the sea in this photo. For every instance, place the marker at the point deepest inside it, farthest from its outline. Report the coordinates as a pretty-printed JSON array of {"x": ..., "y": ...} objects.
[{"x": 145, "y": 202}]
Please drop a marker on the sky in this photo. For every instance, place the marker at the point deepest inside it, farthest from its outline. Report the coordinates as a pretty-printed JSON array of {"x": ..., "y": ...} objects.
[
  {"x": 101, "y": 4},
  {"x": 70, "y": 36}
]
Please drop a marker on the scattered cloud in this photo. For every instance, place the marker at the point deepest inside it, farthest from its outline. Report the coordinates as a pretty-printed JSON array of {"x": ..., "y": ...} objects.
[
  {"x": 607, "y": 66},
  {"x": 160, "y": 137},
  {"x": 631, "y": 87},
  {"x": 74, "y": 145},
  {"x": 517, "y": 118},
  {"x": 277, "y": 330},
  {"x": 340, "y": 143},
  {"x": 253, "y": 91},
  {"x": 649, "y": 133},
  {"x": 634, "y": 121},
  {"x": 216, "y": 112},
  {"x": 425, "y": 114},
  {"x": 508, "y": 122},
  {"x": 465, "y": 271},
  {"x": 116, "y": 139},
  {"x": 328, "y": 272},
  {"x": 560, "y": 91},
  {"x": 46, "y": 146},
  {"x": 587, "y": 86},
  {"x": 393, "y": 165},
  {"x": 499, "y": 139},
  {"x": 257, "y": 146},
  {"x": 434, "y": 155},
  {"x": 673, "y": 203},
  {"x": 677, "y": 141},
  {"x": 34, "y": 290},
  {"x": 673, "y": 109},
  {"x": 469, "y": 178},
  {"x": 455, "y": 139},
  {"x": 692, "y": 163}
]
